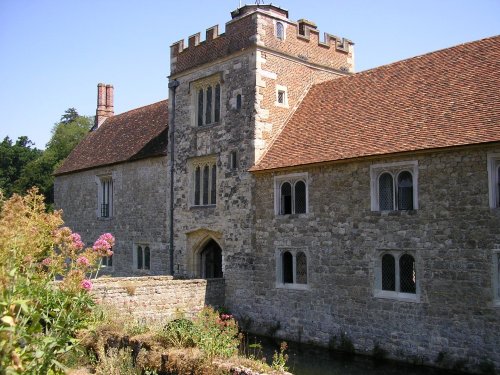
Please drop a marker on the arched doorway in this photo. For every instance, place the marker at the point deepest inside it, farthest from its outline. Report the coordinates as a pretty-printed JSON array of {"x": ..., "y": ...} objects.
[{"x": 211, "y": 261}]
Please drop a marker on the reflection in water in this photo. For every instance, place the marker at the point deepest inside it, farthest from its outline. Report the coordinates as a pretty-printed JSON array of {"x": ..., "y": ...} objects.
[{"x": 307, "y": 360}]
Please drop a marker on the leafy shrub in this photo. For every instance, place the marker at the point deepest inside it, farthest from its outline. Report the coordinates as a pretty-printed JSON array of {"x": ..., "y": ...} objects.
[
  {"x": 280, "y": 359},
  {"x": 178, "y": 333},
  {"x": 216, "y": 334},
  {"x": 39, "y": 317}
]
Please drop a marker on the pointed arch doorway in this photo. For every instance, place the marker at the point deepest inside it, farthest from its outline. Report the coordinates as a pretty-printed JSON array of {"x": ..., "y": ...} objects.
[{"x": 211, "y": 261}]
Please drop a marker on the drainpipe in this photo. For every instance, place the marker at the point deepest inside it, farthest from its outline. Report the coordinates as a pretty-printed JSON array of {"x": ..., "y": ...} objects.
[{"x": 172, "y": 85}]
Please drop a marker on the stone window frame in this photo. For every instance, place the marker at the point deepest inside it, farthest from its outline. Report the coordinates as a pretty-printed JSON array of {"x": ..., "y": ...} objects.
[
  {"x": 281, "y": 90},
  {"x": 397, "y": 294},
  {"x": 135, "y": 256},
  {"x": 294, "y": 251},
  {"x": 394, "y": 169},
  {"x": 209, "y": 161},
  {"x": 494, "y": 179},
  {"x": 291, "y": 178},
  {"x": 280, "y": 30},
  {"x": 105, "y": 196},
  {"x": 203, "y": 85},
  {"x": 495, "y": 267}
]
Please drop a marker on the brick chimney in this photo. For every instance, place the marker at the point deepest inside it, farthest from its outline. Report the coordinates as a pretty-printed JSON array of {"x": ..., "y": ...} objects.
[{"x": 105, "y": 108}]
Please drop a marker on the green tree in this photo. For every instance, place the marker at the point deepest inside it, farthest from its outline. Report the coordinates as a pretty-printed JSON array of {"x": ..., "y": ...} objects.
[
  {"x": 38, "y": 170},
  {"x": 13, "y": 159}
]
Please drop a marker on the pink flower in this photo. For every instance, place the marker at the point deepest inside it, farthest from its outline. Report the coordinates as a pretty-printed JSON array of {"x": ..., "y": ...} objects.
[
  {"x": 86, "y": 285},
  {"x": 83, "y": 261},
  {"x": 46, "y": 262},
  {"x": 77, "y": 241},
  {"x": 104, "y": 244}
]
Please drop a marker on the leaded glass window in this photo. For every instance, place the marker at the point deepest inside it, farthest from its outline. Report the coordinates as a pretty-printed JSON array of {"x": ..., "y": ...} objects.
[
  {"x": 388, "y": 272},
  {"x": 301, "y": 268},
  {"x": 280, "y": 31},
  {"x": 208, "y": 109},
  {"x": 407, "y": 275},
  {"x": 213, "y": 194},
  {"x": 217, "y": 103},
  {"x": 139, "y": 257},
  {"x": 300, "y": 197},
  {"x": 281, "y": 96},
  {"x": 498, "y": 186},
  {"x": 147, "y": 258},
  {"x": 405, "y": 191},
  {"x": 286, "y": 198},
  {"x": 386, "y": 192},
  {"x": 200, "y": 107},
  {"x": 287, "y": 267},
  {"x": 197, "y": 181},
  {"x": 205, "y": 184}
]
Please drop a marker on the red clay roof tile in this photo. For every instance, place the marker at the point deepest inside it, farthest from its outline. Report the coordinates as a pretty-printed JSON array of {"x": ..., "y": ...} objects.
[
  {"x": 442, "y": 99},
  {"x": 136, "y": 134}
]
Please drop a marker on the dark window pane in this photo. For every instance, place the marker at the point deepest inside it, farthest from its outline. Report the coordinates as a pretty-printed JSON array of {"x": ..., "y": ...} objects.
[
  {"x": 200, "y": 108},
  {"x": 147, "y": 258},
  {"x": 233, "y": 161},
  {"x": 139, "y": 257},
  {"x": 388, "y": 273},
  {"x": 301, "y": 266},
  {"x": 217, "y": 103},
  {"x": 407, "y": 275},
  {"x": 405, "y": 191},
  {"x": 208, "y": 109},
  {"x": 300, "y": 197},
  {"x": 110, "y": 261},
  {"x": 498, "y": 187},
  {"x": 238, "y": 102},
  {"x": 286, "y": 199},
  {"x": 197, "y": 186},
  {"x": 213, "y": 189},
  {"x": 287, "y": 268},
  {"x": 385, "y": 192},
  {"x": 205, "y": 184}
]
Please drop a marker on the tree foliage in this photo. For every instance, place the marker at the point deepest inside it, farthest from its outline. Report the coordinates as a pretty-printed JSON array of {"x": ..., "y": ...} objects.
[
  {"x": 22, "y": 166},
  {"x": 13, "y": 158}
]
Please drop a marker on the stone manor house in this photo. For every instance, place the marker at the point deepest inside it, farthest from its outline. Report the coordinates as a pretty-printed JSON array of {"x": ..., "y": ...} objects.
[{"x": 330, "y": 201}]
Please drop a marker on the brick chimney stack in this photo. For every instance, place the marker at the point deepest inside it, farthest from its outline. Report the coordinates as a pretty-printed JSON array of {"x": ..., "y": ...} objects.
[{"x": 105, "y": 108}]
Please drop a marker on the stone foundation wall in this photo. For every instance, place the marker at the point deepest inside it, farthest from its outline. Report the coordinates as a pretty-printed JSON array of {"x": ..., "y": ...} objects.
[{"x": 158, "y": 297}]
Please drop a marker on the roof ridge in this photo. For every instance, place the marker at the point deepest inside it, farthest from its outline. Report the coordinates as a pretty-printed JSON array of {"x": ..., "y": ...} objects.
[{"x": 137, "y": 109}]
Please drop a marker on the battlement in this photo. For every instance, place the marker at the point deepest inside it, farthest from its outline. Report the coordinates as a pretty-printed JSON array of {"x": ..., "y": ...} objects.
[{"x": 255, "y": 26}]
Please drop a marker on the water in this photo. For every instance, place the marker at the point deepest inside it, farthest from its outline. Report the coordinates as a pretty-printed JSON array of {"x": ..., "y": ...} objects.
[{"x": 307, "y": 360}]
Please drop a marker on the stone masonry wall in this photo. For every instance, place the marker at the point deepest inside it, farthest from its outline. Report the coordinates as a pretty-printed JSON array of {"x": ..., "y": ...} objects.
[
  {"x": 158, "y": 298},
  {"x": 452, "y": 235},
  {"x": 139, "y": 211}
]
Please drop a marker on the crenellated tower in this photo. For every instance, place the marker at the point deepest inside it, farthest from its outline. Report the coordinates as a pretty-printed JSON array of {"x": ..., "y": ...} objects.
[{"x": 234, "y": 93}]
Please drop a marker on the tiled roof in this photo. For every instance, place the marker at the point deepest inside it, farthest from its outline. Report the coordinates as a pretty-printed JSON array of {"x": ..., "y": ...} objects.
[
  {"x": 136, "y": 134},
  {"x": 442, "y": 99}
]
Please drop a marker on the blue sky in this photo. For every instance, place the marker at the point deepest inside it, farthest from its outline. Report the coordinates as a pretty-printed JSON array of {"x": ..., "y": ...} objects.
[{"x": 54, "y": 52}]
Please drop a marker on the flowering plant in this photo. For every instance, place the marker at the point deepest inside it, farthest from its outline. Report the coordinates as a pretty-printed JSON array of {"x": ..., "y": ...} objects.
[{"x": 39, "y": 317}]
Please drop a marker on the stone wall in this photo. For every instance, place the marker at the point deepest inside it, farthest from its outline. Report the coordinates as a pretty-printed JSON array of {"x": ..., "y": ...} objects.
[
  {"x": 156, "y": 298},
  {"x": 139, "y": 211},
  {"x": 452, "y": 235}
]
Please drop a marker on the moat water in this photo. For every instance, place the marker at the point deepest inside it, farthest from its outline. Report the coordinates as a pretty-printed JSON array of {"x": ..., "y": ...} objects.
[{"x": 307, "y": 360}]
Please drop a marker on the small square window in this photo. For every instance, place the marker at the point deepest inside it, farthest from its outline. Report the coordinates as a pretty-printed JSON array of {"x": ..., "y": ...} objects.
[{"x": 281, "y": 96}]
